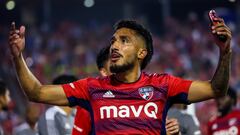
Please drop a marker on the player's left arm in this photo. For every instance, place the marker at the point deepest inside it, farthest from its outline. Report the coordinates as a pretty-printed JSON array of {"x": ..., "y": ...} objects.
[{"x": 218, "y": 85}]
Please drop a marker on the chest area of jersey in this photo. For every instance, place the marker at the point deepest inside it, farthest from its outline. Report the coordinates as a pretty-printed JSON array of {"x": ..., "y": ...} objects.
[
  {"x": 145, "y": 93},
  {"x": 139, "y": 102}
]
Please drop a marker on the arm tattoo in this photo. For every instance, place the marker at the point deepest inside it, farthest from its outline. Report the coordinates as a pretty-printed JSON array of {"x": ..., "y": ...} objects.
[{"x": 220, "y": 79}]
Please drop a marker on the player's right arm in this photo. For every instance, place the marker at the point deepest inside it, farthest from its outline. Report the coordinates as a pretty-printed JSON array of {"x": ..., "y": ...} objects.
[{"x": 35, "y": 91}]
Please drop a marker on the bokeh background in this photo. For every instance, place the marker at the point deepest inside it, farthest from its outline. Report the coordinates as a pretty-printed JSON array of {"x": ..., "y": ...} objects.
[{"x": 64, "y": 37}]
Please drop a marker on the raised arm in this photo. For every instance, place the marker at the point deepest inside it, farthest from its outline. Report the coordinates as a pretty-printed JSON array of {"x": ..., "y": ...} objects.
[
  {"x": 218, "y": 85},
  {"x": 35, "y": 91}
]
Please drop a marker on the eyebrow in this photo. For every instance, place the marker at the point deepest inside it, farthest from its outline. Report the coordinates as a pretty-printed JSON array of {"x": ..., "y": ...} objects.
[{"x": 124, "y": 37}]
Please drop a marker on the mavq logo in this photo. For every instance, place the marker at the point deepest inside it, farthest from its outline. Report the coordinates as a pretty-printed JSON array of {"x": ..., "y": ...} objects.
[
  {"x": 124, "y": 111},
  {"x": 146, "y": 92}
]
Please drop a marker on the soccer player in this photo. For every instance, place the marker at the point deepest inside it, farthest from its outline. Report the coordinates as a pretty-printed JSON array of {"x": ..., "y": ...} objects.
[
  {"x": 29, "y": 127},
  {"x": 228, "y": 120},
  {"x": 103, "y": 62},
  {"x": 56, "y": 120},
  {"x": 4, "y": 100},
  {"x": 129, "y": 101},
  {"x": 83, "y": 120},
  {"x": 186, "y": 121}
]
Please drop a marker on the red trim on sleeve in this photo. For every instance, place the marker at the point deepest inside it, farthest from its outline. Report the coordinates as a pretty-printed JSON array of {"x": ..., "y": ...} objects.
[
  {"x": 76, "y": 89},
  {"x": 66, "y": 90},
  {"x": 178, "y": 85}
]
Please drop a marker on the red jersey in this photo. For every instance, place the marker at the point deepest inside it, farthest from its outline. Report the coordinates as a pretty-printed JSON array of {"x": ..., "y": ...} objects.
[
  {"x": 128, "y": 108},
  {"x": 82, "y": 122},
  {"x": 226, "y": 125}
]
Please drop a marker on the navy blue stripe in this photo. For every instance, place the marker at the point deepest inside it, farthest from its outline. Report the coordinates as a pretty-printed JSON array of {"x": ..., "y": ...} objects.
[
  {"x": 92, "y": 132},
  {"x": 164, "y": 115},
  {"x": 73, "y": 101},
  {"x": 180, "y": 98}
]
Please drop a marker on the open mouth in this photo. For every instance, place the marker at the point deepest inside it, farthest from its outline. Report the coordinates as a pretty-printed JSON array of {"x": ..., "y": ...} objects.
[{"x": 115, "y": 56}]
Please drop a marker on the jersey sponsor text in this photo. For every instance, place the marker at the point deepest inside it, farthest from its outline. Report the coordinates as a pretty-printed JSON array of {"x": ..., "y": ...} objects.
[{"x": 124, "y": 111}]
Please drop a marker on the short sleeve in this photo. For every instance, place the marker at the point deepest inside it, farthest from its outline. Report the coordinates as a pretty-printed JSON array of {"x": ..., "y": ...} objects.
[
  {"x": 178, "y": 89},
  {"x": 77, "y": 92}
]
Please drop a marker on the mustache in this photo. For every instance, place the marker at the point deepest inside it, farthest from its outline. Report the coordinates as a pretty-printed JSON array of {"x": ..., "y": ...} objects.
[{"x": 116, "y": 52}]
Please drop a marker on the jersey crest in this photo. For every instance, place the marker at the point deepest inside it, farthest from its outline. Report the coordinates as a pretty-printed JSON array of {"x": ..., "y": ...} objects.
[{"x": 146, "y": 92}]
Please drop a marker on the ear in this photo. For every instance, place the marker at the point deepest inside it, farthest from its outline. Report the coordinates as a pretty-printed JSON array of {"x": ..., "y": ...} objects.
[
  {"x": 142, "y": 53},
  {"x": 103, "y": 72}
]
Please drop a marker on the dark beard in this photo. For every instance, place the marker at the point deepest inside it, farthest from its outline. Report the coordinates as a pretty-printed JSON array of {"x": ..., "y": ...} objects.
[{"x": 122, "y": 68}]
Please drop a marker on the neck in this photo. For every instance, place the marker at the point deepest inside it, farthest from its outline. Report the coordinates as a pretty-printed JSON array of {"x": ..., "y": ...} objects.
[{"x": 129, "y": 76}]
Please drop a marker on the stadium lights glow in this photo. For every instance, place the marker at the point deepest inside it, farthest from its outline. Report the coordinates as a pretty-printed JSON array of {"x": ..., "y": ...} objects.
[
  {"x": 10, "y": 5},
  {"x": 232, "y": 0},
  {"x": 88, "y": 3}
]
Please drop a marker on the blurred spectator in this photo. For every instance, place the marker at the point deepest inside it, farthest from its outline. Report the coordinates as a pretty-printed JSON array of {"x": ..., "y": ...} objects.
[
  {"x": 57, "y": 120},
  {"x": 227, "y": 122},
  {"x": 186, "y": 121},
  {"x": 4, "y": 101},
  {"x": 29, "y": 127}
]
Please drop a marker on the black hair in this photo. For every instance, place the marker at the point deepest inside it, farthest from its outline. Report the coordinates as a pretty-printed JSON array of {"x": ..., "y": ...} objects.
[
  {"x": 63, "y": 79},
  {"x": 102, "y": 57},
  {"x": 233, "y": 94},
  {"x": 141, "y": 30},
  {"x": 3, "y": 88}
]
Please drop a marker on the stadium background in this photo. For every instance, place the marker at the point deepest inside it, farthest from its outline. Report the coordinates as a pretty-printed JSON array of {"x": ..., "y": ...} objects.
[{"x": 64, "y": 37}]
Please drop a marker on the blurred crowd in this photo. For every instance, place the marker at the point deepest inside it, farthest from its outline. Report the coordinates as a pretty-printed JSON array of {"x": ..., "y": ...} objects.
[{"x": 182, "y": 48}]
